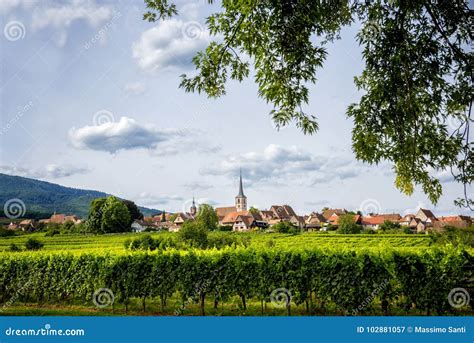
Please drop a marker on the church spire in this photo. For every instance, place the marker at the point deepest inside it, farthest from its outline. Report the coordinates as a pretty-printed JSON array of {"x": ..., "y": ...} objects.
[
  {"x": 241, "y": 199},
  {"x": 241, "y": 188},
  {"x": 193, "y": 208}
]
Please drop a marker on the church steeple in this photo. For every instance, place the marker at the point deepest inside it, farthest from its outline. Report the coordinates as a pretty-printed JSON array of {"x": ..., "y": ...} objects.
[
  {"x": 241, "y": 199},
  {"x": 241, "y": 188},
  {"x": 193, "y": 208}
]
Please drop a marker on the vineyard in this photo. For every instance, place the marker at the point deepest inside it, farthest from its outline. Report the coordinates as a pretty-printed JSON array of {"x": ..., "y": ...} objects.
[
  {"x": 113, "y": 243},
  {"x": 307, "y": 281}
]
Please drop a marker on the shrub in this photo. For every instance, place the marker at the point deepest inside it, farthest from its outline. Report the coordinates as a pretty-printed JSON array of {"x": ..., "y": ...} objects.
[
  {"x": 14, "y": 248},
  {"x": 146, "y": 242},
  {"x": 347, "y": 225},
  {"x": 390, "y": 226},
  {"x": 6, "y": 232},
  {"x": 33, "y": 244},
  {"x": 193, "y": 234},
  {"x": 221, "y": 240},
  {"x": 52, "y": 233},
  {"x": 283, "y": 227}
]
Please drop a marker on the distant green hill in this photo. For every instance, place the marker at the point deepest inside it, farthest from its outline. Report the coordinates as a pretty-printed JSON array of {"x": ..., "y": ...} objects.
[{"x": 43, "y": 198}]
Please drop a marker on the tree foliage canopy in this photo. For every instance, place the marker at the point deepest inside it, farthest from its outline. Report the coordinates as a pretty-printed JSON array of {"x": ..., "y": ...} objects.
[
  {"x": 347, "y": 225},
  {"x": 207, "y": 217},
  {"x": 415, "y": 109},
  {"x": 108, "y": 215}
]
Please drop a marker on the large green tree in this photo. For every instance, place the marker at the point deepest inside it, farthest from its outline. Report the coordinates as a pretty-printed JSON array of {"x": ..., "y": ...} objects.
[
  {"x": 415, "y": 111},
  {"x": 94, "y": 220},
  {"x": 108, "y": 215},
  {"x": 207, "y": 217},
  {"x": 115, "y": 216},
  {"x": 133, "y": 209},
  {"x": 347, "y": 224}
]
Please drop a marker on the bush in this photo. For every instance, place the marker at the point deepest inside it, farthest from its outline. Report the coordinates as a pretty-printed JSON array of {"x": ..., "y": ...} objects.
[
  {"x": 146, "y": 242},
  {"x": 33, "y": 244},
  {"x": 52, "y": 233},
  {"x": 14, "y": 248},
  {"x": 221, "y": 240},
  {"x": 390, "y": 226},
  {"x": 225, "y": 228},
  {"x": 347, "y": 225},
  {"x": 193, "y": 234},
  {"x": 283, "y": 227},
  {"x": 143, "y": 243},
  {"x": 6, "y": 232}
]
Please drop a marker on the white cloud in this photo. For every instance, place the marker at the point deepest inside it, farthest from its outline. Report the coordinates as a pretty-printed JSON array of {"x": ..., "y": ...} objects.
[
  {"x": 135, "y": 88},
  {"x": 8, "y": 5},
  {"x": 149, "y": 199},
  {"x": 125, "y": 134},
  {"x": 277, "y": 164},
  {"x": 50, "y": 171},
  {"x": 62, "y": 16},
  {"x": 172, "y": 43},
  {"x": 197, "y": 185}
]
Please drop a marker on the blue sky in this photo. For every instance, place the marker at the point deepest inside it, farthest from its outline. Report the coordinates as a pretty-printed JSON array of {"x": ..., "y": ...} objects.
[{"x": 90, "y": 99}]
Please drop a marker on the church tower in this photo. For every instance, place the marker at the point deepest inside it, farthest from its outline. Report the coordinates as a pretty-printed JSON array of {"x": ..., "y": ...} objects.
[
  {"x": 193, "y": 208},
  {"x": 241, "y": 199}
]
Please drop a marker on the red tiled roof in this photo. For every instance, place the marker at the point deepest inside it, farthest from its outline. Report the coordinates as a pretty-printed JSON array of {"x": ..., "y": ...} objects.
[
  {"x": 231, "y": 217},
  {"x": 223, "y": 211},
  {"x": 329, "y": 212}
]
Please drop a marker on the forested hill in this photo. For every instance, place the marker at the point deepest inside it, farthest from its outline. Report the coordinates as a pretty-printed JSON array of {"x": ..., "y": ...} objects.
[{"x": 43, "y": 198}]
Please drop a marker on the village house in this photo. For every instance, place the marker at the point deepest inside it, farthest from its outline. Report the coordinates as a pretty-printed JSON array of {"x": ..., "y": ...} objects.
[
  {"x": 12, "y": 226},
  {"x": 374, "y": 221},
  {"x": 243, "y": 223},
  {"x": 142, "y": 225},
  {"x": 62, "y": 218},
  {"x": 333, "y": 213},
  {"x": 458, "y": 221},
  {"x": 314, "y": 221},
  {"x": 423, "y": 220},
  {"x": 182, "y": 217},
  {"x": 405, "y": 221},
  {"x": 27, "y": 225}
]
